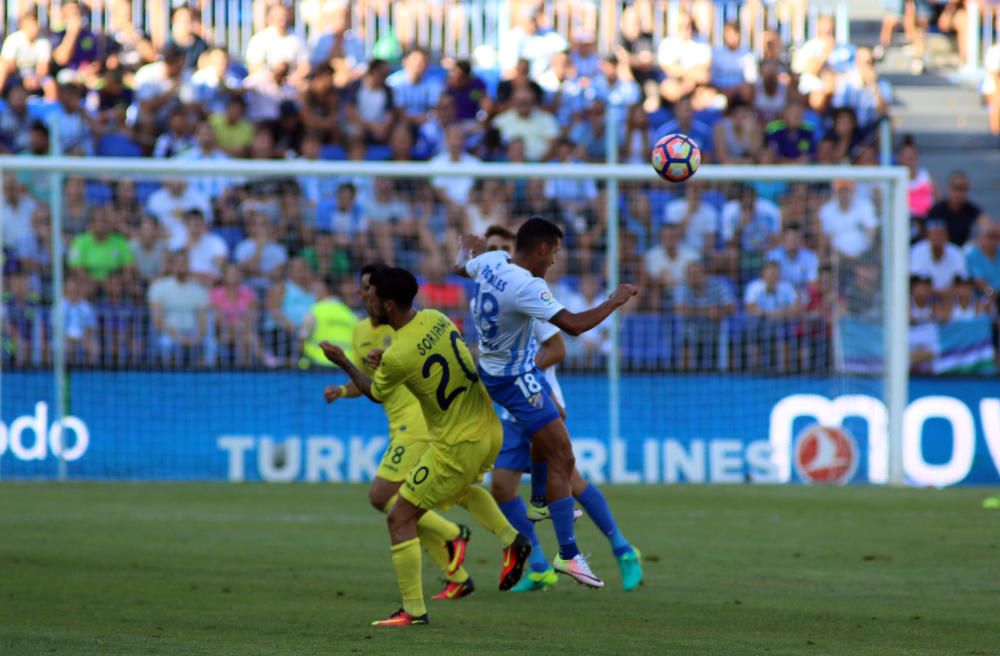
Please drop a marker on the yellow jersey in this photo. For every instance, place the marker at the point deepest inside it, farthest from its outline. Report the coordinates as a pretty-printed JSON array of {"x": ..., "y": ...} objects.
[
  {"x": 430, "y": 359},
  {"x": 403, "y": 410}
]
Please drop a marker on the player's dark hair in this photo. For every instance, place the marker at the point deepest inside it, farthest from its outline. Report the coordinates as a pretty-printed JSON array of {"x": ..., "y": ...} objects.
[
  {"x": 535, "y": 232},
  {"x": 370, "y": 269},
  {"x": 395, "y": 284},
  {"x": 499, "y": 231}
]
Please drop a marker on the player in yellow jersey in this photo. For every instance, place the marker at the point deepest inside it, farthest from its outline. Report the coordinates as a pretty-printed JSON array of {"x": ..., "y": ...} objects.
[
  {"x": 443, "y": 540},
  {"x": 429, "y": 358}
]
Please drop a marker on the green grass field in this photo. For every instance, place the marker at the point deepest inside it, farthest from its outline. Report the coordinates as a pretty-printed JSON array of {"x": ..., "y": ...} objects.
[{"x": 256, "y": 569}]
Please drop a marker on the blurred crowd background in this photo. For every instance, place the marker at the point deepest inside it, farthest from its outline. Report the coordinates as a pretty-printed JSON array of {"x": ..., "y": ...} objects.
[{"x": 217, "y": 271}]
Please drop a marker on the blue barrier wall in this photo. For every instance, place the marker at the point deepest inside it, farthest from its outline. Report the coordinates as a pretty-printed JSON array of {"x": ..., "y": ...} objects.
[{"x": 275, "y": 426}]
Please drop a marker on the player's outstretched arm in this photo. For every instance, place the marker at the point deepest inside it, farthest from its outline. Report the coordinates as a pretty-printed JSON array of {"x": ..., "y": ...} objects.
[
  {"x": 337, "y": 356},
  {"x": 577, "y": 323},
  {"x": 348, "y": 391},
  {"x": 472, "y": 245}
]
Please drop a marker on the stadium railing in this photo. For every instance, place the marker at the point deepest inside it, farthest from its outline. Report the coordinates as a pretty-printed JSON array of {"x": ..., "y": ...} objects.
[
  {"x": 982, "y": 34},
  {"x": 459, "y": 29},
  {"x": 650, "y": 337}
]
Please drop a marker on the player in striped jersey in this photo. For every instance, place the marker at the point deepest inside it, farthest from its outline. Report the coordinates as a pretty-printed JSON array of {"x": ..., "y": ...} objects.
[
  {"x": 516, "y": 457},
  {"x": 510, "y": 293}
]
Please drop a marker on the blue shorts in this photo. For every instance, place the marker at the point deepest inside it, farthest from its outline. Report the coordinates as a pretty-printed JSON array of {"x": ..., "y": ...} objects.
[
  {"x": 528, "y": 398},
  {"x": 515, "y": 454}
]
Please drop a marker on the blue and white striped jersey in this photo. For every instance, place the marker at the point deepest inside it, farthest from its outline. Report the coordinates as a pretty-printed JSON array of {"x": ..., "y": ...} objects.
[{"x": 506, "y": 300}]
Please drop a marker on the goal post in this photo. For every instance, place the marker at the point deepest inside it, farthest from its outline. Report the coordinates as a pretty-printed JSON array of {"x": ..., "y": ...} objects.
[{"x": 892, "y": 371}]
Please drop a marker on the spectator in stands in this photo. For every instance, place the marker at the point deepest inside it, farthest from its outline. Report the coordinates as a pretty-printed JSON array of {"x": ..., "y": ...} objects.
[
  {"x": 921, "y": 192},
  {"x": 665, "y": 263},
  {"x": 233, "y": 132},
  {"x": 959, "y": 213},
  {"x": 467, "y": 91},
  {"x": 770, "y": 93},
  {"x": 588, "y": 133},
  {"x": 414, "y": 91},
  {"x": 338, "y": 42},
  {"x": 586, "y": 61},
  {"x": 772, "y": 304},
  {"x": 734, "y": 68},
  {"x": 320, "y": 106},
  {"x": 983, "y": 260},
  {"x": 26, "y": 58},
  {"x": 963, "y": 304},
  {"x": 454, "y": 190},
  {"x": 110, "y": 103},
  {"x": 179, "y": 306},
  {"x": 937, "y": 258},
  {"x": 537, "y": 203},
  {"x": 750, "y": 225},
  {"x": 126, "y": 46},
  {"x": 79, "y": 324},
  {"x": 16, "y": 211},
  {"x": 370, "y": 106},
  {"x": 69, "y": 118},
  {"x": 15, "y": 120},
  {"x": 686, "y": 61},
  {"x": 76, "y": 47},
  {"x": 158, "y": 86},
  {"x": 213, "y": 82},
  {"x": 98, "y": 253},
  {"x": 737, "y": 136},
  {"x": 178, "y": 137},
  {"x": 259, "y": 256},
  {"x": 119, "y": 324},
  {"x": 184, "y": 37},
  {"x": 922, "y": 302},
  {"x": 170, "y": 203},
  {"x": 702, "y": 303},
  {"x": 530, "y": 40},
  {"x": 848, "y": 221},
  {"x": 685, "y": 122},
  {"x": 430, "y": 141},
  {"x": 799, "y": 265},
  {"x": 844, "y": 136},
  {"x": 488, "y": 206},
  {"x": 267, "y": 91},
  {"x": 149, "y": 250},
  {"x": 275, "y": 46},
  {"x": 329, "y": 319},
  {"x": 204, "y": 148},
  {"x": 536, "y": 127},
  {"x": 207, "y": 252},
  {"x": 861, "y": 90},
  {"x": 520, "y": 79},
  {"x": 991, "y": 85},
  {"x": 697, "y": 220},
  {"x": 76, "y": 208},
  {"x": 820, "y": 57},
  {"x": 22, "y": 305},
  {"x": 635, "y": 145},
  {"x": 325, "y": 260},
  {"x": 572, "y": 195},
  {"x": 792, "y": 138},
  {"x": 235, "y": 308},
  {"x": 288, "y": 303},
  {"x": 614, "y": 85},
  {"x": 34, "y": 253},
  {"x": 439, "y": 291},
  {"x": 563, "y": 95}
]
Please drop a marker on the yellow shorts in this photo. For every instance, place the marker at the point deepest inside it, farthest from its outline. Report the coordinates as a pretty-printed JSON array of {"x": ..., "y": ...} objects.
[
  {"x": 445, "y": 471},
  {"x": 402, "y": 454}
]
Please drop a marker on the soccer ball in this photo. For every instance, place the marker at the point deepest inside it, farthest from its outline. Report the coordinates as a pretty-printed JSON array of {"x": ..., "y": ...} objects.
[{"x": 676, "y": 157}]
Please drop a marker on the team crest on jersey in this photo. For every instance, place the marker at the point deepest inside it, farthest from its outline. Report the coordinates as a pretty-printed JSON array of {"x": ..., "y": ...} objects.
[
  {"x": 545, "y": 296},
  {"x": 826, "y": 455},
  {"x": 536, "y": 401}
]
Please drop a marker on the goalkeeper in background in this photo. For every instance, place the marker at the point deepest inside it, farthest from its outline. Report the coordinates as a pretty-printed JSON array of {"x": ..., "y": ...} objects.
[
  {"x": 428, "y": 357},
  {"x": 443, "y": 540}
]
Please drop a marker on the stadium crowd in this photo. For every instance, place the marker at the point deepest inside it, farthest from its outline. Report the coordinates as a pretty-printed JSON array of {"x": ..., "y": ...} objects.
[{"x": 198, "y": 271}]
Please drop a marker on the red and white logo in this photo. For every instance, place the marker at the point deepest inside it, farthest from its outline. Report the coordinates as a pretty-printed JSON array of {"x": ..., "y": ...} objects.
[{"x": 825, "y": 455}]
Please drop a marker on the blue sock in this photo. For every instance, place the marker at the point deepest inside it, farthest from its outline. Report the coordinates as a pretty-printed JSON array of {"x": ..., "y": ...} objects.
[
  {"x": 516, "y": 514},
  {"x": 539, "y": 480},
  {"x": 596, "y": 507},
  {"x": 561, "y": 512}
]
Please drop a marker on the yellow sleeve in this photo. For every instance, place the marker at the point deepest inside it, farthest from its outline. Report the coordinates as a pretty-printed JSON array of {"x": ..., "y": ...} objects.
[
  {"x": 389, "y": 375},
  {"x": 356, "y": 338}
]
